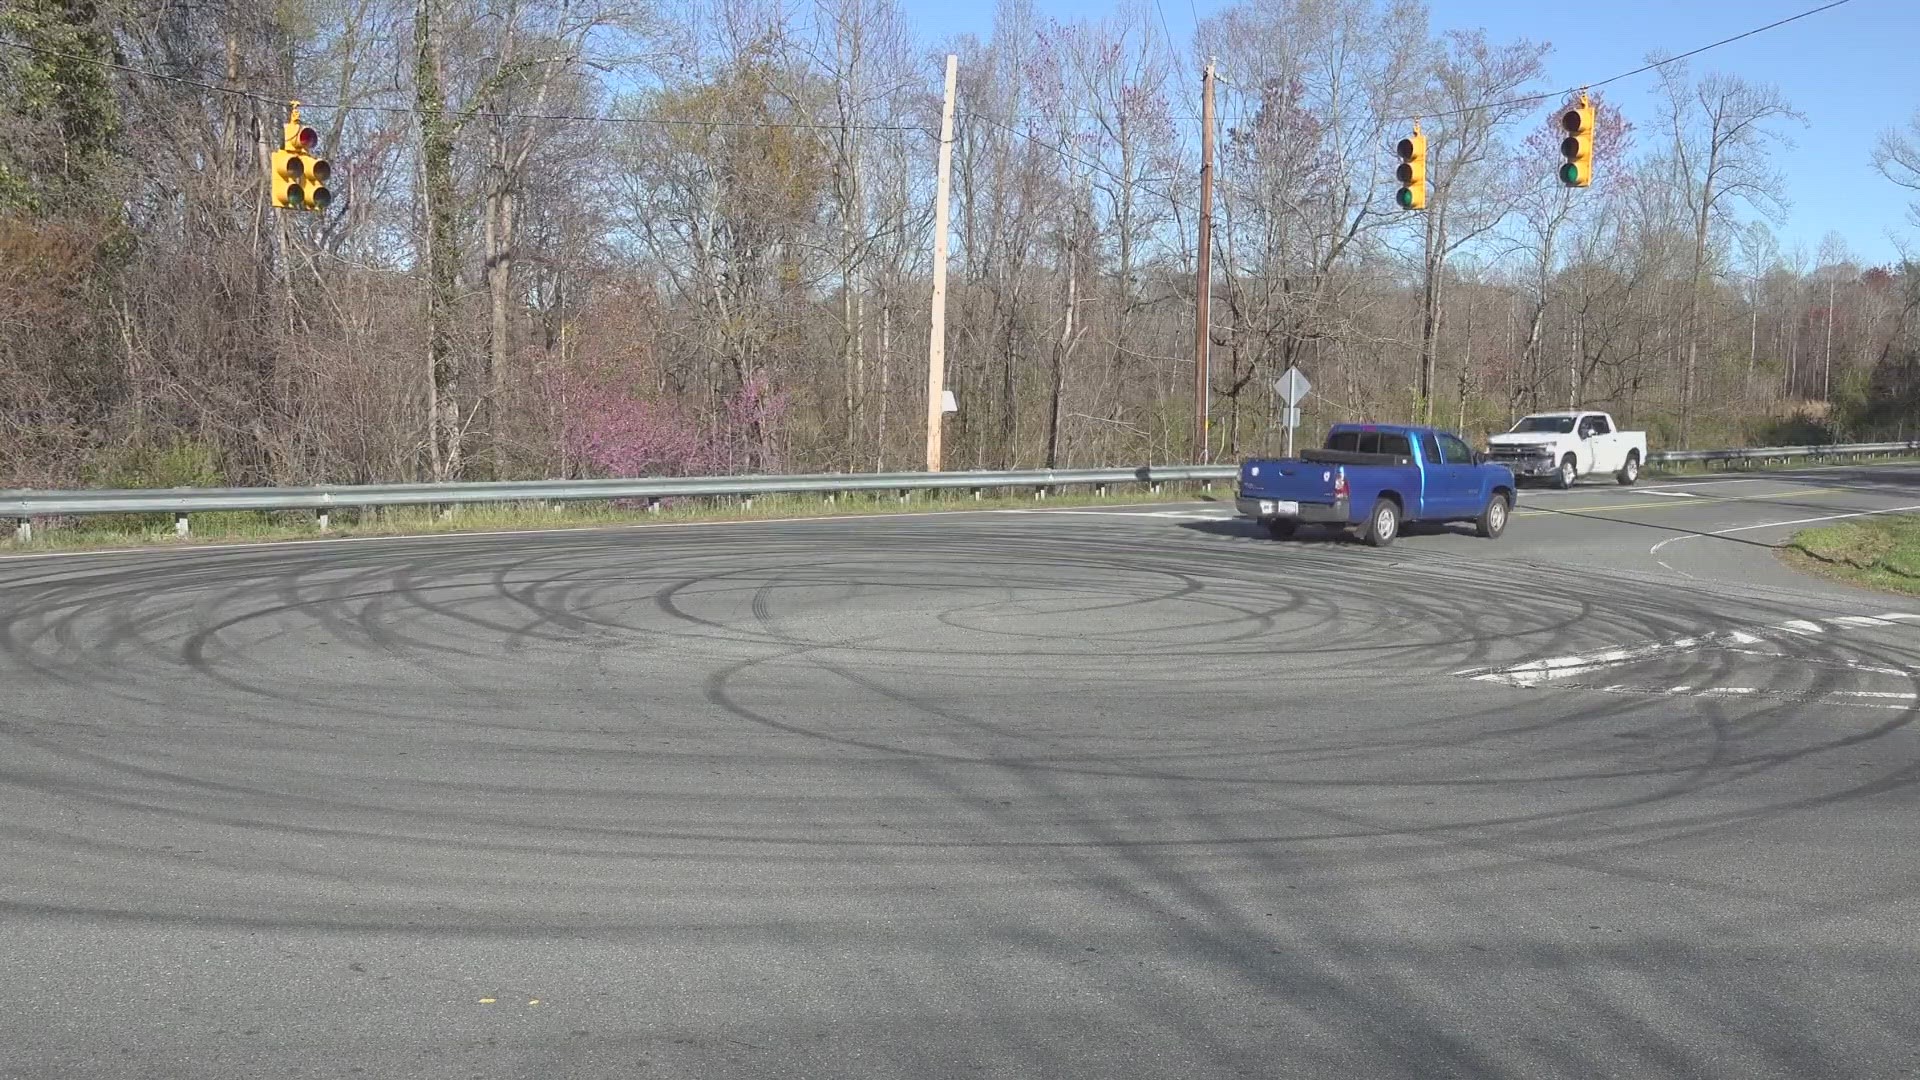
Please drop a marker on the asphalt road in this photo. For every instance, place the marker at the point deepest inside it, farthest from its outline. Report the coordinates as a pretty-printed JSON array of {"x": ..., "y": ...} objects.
[{"x": 1059, "y": 793}]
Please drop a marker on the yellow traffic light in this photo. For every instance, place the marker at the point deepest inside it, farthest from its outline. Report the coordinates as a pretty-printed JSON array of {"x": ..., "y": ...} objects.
[
  {"x": 299, "y": 175},
  {"x": 1412, "y": 172},
  {"x": 1577, "y": 147}
]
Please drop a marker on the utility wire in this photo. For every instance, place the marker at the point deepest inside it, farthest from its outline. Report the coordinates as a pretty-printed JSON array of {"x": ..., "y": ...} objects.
[
  {"x": 1628, "y": 74},
  {"x": 808, "y": 125}
]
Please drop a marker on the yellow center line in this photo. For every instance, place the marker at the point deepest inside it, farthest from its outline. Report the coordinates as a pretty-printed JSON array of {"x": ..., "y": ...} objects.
[{"x": 1676, "y": 503}]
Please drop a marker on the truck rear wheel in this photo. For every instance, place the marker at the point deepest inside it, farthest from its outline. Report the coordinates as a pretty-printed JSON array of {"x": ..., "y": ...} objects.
[
  {"x": 1630, "y": 471},
  {"x": 1383, "y": 523},
  {"x": 1569, "y": 472},
  {"x": 1493, "y": 519}
]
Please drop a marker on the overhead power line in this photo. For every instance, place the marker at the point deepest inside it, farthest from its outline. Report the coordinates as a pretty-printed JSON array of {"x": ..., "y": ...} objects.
[
  {"x": 266, "y": 99},
  {"x": 1550, "y": 95}
]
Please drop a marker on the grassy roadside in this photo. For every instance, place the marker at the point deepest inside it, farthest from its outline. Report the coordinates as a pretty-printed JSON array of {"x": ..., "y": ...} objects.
[
  {"x": 156, "y": 531},
  {"x": 1880, "y": 552}
]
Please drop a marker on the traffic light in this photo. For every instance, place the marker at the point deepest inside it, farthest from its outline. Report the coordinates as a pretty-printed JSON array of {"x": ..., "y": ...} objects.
[
  {"x": 299, "y": 175},
  {"x": 1412, "y": 173},
  {"x": 1577, "y": 147}
]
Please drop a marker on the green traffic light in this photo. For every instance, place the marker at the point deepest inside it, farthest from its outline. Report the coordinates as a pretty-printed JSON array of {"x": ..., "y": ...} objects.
[
  {"x": 1405, "y": 199},
  {"x": 1570, "y": 174}
]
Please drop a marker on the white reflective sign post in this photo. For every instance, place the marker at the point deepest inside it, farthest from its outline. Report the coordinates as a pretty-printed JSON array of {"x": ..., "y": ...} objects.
[{"x": 1293, "y": 388}]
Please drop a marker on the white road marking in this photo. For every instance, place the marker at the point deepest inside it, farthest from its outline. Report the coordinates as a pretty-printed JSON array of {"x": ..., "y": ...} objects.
[
  {"x": 1858, "y": 699},
  {"x": 1861, "y": 620},
  {"x": 1655, "y": 549},
  {"x": 1849, "y": 665},
  {"x": 1673, "y": 494},
  {"x": 1534, "y": 672}
]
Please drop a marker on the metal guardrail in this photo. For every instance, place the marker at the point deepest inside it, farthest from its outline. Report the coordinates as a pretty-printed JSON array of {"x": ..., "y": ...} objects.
[
  {"x": 24, "y": 506},
  {"x": 1765, "y": 454}
]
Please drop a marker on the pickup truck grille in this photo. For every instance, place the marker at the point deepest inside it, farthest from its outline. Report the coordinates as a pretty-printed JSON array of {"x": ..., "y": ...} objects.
[{"x": 1519, "y": 453}]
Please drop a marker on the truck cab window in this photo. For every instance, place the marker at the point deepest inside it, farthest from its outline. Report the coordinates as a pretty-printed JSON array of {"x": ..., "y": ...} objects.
[
  {"x": 1397, "y": 445},
  {"x": 1344, "y": 440}
]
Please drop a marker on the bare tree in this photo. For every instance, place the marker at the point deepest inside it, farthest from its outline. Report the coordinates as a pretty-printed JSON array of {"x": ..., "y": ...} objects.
[{"x": 1720, "y": 133}]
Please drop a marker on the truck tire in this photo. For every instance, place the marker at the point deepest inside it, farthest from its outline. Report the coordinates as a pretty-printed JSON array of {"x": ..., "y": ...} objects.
[
  {"x": 1281, "y": 529},
  {"x": 1568, "y": 472},
  {"x": 1383, "y": 523},
  {"x": 1493, "y": 519},
  {"x": 1630, "y": 471}
]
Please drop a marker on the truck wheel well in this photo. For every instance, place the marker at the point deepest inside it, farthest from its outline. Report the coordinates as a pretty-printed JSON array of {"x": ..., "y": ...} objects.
[
  {"x": 1504, "y": 492},
  {"x": 1394, "y": 498}
]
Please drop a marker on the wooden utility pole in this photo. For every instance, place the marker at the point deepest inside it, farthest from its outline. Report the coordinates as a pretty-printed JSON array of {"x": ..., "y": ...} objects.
[
  {"x": 937, "y": 343},
  {"x": 1203, "y": 281}
]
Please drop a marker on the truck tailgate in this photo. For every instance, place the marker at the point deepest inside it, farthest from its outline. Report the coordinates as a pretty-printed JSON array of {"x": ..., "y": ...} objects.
[{"x": 1287, "y": 479}]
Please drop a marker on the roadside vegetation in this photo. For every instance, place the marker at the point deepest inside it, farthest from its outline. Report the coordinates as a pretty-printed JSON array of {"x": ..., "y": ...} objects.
[
  {"x": 601, "y": 238},
  {"x": 1876, "y": 552}
]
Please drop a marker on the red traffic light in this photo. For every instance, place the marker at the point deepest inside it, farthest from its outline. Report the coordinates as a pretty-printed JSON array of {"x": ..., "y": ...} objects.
[
  {"x": 308, "y": 138},
  {"x": 1573, "y": 121}
]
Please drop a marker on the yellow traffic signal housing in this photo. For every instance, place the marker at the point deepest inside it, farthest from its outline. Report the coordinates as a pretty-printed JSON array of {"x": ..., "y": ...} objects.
[
  {"x": 1577, "y": 147},
  {"x": 299, "y": 175},
  {"x": 1412, "y": 172}
]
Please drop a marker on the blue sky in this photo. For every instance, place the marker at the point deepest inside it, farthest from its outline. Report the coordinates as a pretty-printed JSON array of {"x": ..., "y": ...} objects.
[{"x": 1851, "y": 70}]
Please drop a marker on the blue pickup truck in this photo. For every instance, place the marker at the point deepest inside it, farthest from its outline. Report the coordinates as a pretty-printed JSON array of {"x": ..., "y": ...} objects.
[{"x": 1378, "y": 476}]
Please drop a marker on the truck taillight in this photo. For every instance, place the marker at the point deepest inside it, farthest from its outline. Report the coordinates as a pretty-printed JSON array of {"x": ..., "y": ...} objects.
[{"x": 1340, "y": 484}]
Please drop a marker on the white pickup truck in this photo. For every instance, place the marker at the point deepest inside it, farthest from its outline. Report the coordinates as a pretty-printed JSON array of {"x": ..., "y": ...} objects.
[{"x": 1569, "y": 445}]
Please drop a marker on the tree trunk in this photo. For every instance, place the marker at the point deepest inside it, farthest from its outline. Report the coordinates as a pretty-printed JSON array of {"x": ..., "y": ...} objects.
[
  {"x": 1701, "y": 220},
  {"x": 1060, "y": 350},
  {"x": 436, "y": 154}
]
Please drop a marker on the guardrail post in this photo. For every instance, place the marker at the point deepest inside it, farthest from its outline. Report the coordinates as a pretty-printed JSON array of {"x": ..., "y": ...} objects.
[
  {"x": 23, "y": 530},
  {"x": 179, "y": 523},
  {"x": 1100, "y": 491},
  {"x": 906, "y": 494},
  {"x": 1040, "y": 491},
  {"x": 653, "y": 505},
  {"x": 976, "y": 494},
  {"x": 1154, "y": 487},
  {"x": 321, "y": 520},
  {"x": 832, "y": 497}
]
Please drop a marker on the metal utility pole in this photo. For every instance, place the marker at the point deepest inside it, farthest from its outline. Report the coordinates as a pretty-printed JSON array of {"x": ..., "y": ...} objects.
[
  {"x": 937, "y": 343},
  {"x": 1203, "y": 281}
]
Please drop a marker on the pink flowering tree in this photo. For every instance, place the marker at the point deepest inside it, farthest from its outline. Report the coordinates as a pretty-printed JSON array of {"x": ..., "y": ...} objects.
[{"x": 610, "y": 427}]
